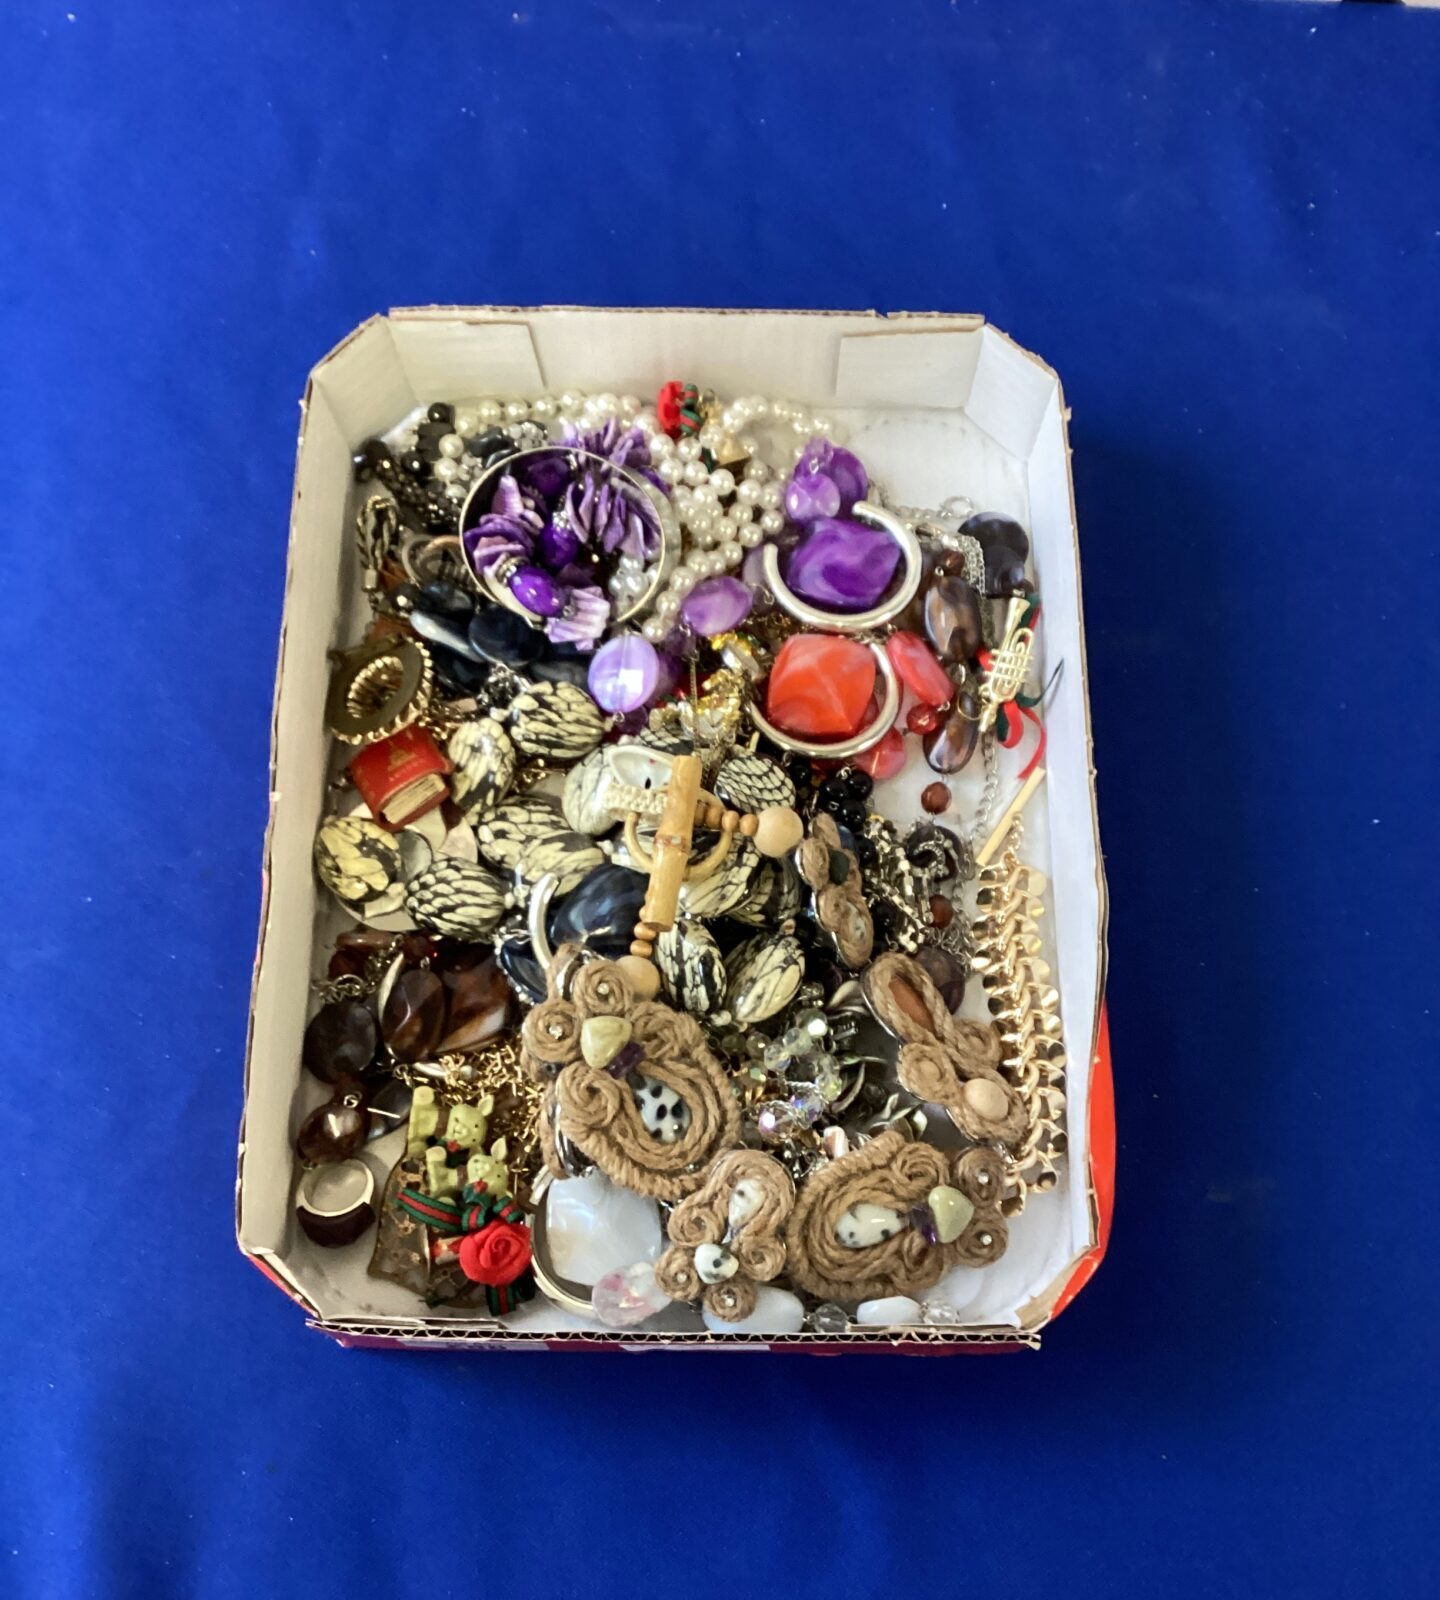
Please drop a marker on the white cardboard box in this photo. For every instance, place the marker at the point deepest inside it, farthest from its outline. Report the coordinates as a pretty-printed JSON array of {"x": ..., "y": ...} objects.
[{"x": 935, "y": 405}]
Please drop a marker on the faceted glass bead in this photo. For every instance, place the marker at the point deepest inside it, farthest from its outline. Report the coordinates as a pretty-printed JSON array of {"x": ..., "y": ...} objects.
[
  {"x": 820, "y": 686},
  {"x": 340, "y": 1040},
  {"x": 922, "y": 719},
  {"x": 918, "y": 670},
  {"x": 414, "y": 1015}
]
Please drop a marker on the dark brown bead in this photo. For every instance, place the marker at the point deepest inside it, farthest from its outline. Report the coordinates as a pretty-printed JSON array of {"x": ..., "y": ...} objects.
[
  {"x": 952, "y": 618},
  {"x": 935, "y": 797},
  {"x": 952, "y": 744},
  {"x": 414, "y": 1015},
  {"x": 336, "y": 1130},
  {"x": 340, "y": 1041},
  {"x": 945, "y": 972},
  {"x": 942, "y": 911},
  {"x": 481, "y": 1004}
]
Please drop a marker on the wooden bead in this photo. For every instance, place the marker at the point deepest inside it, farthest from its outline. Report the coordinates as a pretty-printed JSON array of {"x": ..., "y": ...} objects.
[
  {"x": 642, "y": 948},
  {"x": 778, "y": 830},
  {"x": 748, "y": 824},
  {"x": 642, "y": 975},
  {"x": 649, "y": 931},
  {"x": 730, "y": 822}
]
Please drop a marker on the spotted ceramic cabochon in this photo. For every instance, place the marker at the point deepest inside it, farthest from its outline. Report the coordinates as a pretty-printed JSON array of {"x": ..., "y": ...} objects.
[{"x": 663, "y": 1112}]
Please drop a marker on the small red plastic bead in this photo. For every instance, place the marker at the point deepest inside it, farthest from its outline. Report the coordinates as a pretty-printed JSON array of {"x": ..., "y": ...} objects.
[{"x": 922, "y": 719}]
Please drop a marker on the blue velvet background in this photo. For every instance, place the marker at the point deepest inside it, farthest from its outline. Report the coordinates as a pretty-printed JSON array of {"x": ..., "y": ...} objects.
[{"x": 1221, "y": 223}]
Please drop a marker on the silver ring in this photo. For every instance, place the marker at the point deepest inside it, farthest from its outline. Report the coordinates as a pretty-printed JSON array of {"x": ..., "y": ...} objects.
[
  {"x": 842, "y": 749},
  {"x": 856, "y": 621},
  {"x": 664, "y": 564},
  {"x": 569, "y": 1296}
]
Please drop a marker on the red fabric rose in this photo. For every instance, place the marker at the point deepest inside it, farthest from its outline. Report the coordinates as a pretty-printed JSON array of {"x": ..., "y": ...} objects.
[
  {"x": 667, "y": 408},
  {"x": 497, "y": 1254}
]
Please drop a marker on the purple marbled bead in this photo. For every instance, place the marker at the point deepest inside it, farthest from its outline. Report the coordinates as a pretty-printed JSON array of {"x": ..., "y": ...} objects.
[
  {"x": 811, "y": 495},
  {"x": 624, "y": 674},
  {"x": 716, "y": 605},
  {"x": 537, "y": 591},
  {"x": 626, "y": 1060},
  {"x": 924, "y": 1219},
  {"x": 557, "y": 547},
  {"x": 844, "y": 565}
]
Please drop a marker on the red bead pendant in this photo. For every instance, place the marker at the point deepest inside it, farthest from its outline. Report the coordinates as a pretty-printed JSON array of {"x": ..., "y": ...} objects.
[{"x": 820, "y": 686}]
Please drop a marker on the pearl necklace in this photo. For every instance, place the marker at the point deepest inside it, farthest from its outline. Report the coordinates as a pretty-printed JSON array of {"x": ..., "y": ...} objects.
[{"x": 716, "y": 538}]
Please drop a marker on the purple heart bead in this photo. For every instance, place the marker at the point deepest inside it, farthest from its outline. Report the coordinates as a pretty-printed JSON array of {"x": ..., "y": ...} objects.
[
  {"x": 624, "y": 674},
  {"x": 843, "y": 565}
]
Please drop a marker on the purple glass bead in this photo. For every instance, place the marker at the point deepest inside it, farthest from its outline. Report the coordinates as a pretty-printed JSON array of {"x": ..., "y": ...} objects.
[
  {"x": 624, "y": 674},
  {"x": 924, "y": 1219},
  {"x": 843, "y": 565},
  {"x": 537, "y": 591},
  {"x": 626, "y": 1061},
  {"x": 669, "y": 671},
  {"x": 716, "y": 606},
  {"x": 557, "y": 547},
  {"x": 811, "y": 495}
]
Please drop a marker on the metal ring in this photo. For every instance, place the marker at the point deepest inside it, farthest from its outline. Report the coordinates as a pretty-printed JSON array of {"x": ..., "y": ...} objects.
[
  {"x": 856, "y": 621},
  {"x": 664, "y": 564},
  {"x": 842, "y": 749},
  {"x": 540, "y": 897}
]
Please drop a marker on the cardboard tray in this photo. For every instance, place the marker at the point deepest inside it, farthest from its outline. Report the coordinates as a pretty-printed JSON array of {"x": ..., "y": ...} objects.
[{"x": 935, "y": 405}]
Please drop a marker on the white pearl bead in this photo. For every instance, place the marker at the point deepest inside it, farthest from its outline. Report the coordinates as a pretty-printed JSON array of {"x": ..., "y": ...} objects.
[
  {"x": 695, "y": 473},
  {"x": 543, "y": 408},
  {"x": 688, "y": 449},
  {"x": 571, "y": 401},
  {"x": 670, "y": 469},
  {"x": 747, "y": 444},
  {"x": 712, "y": 436},
  {"x": 616, "y": 585},
  {"x": 607, "y": 404},
  {"x": 629, "y": 405},
  {"x": 748, "y": 494},
  {"x": 654, "y": 630},
  {"x": 667, "y": 605},
  {"x": 759, "y": 407},
  {"x": 445, "y": 469},
  {"x": 682, "y": 580},
  {"x": 517, "y": 411},
  {"x": 489, "y": 411},
  {"x": 722, "y": 481},
  {"x": 752, "y": 536},
  {"x": 644, "y": 420},
  {"x": 452, "y": 445},
  {"x": 771, "y": 495},
  {"x": 734, "y": 554},
  {"x": 756, "y": 470},
  {"x": 466, "y": 423},
  {"x": 661, "y": 446},
  {"x": 738, "y": 517},
  {"x": 771, "y": 522}
]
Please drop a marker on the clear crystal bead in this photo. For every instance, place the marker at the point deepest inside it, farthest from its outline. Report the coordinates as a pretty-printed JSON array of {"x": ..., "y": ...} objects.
[{"x": 830, "y": 1318}]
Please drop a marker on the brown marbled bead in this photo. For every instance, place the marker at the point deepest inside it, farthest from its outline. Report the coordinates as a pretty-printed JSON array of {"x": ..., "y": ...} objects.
[
  {"x": 953, "y": 743},
  {"x": 414, "y": 1015},
  {"x": 952, "y": 618},
  {"x": 945, "y": 972},
  {"x": 942, "y": 911},
  {"x": 336, "y": 1130},
  {"x": 935, "y": 797},
  {"x": 481, "y": 1004}
]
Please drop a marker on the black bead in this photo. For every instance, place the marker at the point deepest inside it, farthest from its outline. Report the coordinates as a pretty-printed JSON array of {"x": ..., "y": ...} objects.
[
  {"x": 851, "y": 814},
  {"x": 858, "y": 785},
  {"x": 368, "y": 459},
  {"x": 866, "y": 852},
  {"x": 831, "y": 794},
  {"x": 839, "y": 866},
  {"x": 441, "y": 412},
  {"x": 448, "y": 599}
]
